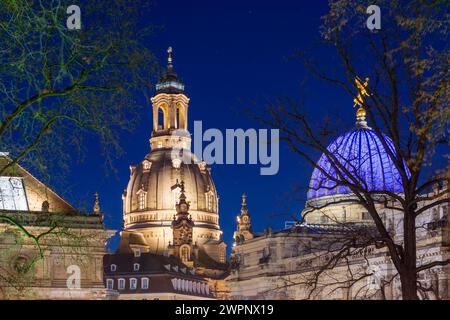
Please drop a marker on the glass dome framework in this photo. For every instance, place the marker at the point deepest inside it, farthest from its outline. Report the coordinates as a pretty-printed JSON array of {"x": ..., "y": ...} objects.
[{"x": 362, "y": 153}]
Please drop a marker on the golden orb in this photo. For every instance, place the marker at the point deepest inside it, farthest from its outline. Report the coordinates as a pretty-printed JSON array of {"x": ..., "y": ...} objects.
[{"x": 361, "y": 112}]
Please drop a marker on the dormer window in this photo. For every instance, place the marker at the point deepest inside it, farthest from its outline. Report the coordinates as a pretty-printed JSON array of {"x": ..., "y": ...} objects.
[
  {"x": 136, "y": 267},
  {"x": 146, "y": 165},
  {"x": 113, "y": 267}
]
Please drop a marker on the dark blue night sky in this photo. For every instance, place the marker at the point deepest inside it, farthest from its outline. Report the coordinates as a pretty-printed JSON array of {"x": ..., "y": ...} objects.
[{"x": 233, "y": 56}]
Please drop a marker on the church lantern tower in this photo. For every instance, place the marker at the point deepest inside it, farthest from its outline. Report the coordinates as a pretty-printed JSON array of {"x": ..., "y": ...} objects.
[{"x": 170, "y": 111}]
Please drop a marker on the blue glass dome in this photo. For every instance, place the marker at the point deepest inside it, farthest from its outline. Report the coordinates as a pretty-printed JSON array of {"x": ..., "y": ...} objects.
[{"x": 361, "y": 152}]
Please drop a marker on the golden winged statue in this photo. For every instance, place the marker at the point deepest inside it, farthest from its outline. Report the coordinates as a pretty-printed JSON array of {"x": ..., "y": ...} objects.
[{"x": 362, "y": 91}]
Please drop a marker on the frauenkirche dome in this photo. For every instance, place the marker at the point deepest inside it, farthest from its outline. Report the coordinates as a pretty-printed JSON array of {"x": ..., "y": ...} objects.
[{"x": 160, "y": 180}]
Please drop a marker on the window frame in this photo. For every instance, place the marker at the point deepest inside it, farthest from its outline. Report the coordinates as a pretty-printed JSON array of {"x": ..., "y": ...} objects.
[
  {"x": 110, "y": 281},
  {"x": 133, "y": 280},
  {"x": 147, "y": 280},
  {"x": 119, "y": 282}
]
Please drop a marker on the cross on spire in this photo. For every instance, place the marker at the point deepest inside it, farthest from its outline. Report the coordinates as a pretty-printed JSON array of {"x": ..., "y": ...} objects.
[
  {"x": 169, "y": 53},
  {"x": 244, "y": 199}
]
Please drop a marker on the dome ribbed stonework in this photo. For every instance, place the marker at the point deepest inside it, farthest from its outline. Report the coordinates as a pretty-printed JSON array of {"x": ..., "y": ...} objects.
[{"x": 159, "y": 184}]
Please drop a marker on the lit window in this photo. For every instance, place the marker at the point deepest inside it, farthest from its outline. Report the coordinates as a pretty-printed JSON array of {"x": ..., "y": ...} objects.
[
  {"x": 142, "y": 200},
  {"x": 110, "y": 284},
  {"x": 210, "y": 202},
  {"x": 12, "y": 194},
  {"x": 133, "y": 284},
  {"x": 159, "y": 144},
  {"x": 121, "y": 284},
  {"x": 113, "y": 267},
  {"x": 136, "y": 267},
  {"x": 144, "y": 283}
]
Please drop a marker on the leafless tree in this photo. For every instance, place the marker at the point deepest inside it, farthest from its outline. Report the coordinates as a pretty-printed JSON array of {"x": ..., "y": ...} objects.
[
  {"x": 406, "y": 99},
  {"x": 61, "y": 87}
]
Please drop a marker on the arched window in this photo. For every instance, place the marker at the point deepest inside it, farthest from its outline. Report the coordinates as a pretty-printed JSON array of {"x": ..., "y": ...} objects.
[
  {"x": 144, "y": 283},
  {"x": 45, "y": 206},
  {"x": 110, "y": 284},
  {"x": 133, "y": 284},
  {"x": 121, "y": 284},
  {"x": 161, "y": 119}
]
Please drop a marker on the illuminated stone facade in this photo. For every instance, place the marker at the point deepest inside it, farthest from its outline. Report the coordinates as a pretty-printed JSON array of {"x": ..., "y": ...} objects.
[
  {"x": 170, "y": 206},
  {"x": 78, "y": 240},
  {"x": 297, "y": 263}
]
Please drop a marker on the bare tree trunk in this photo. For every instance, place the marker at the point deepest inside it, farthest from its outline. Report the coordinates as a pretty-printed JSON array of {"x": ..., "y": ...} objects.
[{"x": 408, "y": 276}]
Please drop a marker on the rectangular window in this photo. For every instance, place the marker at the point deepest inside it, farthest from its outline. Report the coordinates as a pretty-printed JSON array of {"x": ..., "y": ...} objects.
[
  {"x": 110, "y": 284},
  {"x": 136, "y": 267},
  {"x": 12, "y": 194},
  {"x": 133, "y": 284},
  {"x": 121, "y": 284},
  {"x": 137, "y": 252},
  {"x": 142, "y": 200},
  {"x": 144, "y": 283}
]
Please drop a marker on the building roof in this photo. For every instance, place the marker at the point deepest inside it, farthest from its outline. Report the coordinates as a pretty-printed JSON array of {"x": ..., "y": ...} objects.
[
  {"x": 169, "y": 82},
  {"x": 166, "y": 274}
]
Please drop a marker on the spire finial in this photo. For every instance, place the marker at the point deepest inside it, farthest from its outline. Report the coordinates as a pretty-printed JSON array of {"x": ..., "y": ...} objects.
[
  {"x": 169, "y": 57},
  {"x": 359, "y": 101},
  {"x": 96, "y": 208}
]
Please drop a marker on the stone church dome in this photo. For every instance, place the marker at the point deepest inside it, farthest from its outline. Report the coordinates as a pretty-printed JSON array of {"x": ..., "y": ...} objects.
[
  {"x": 157, "y": 182},
  {"x": 154, "y": 188}
]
